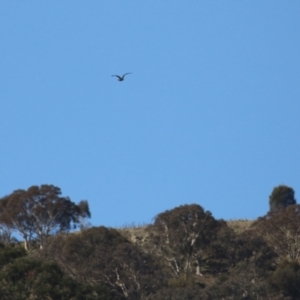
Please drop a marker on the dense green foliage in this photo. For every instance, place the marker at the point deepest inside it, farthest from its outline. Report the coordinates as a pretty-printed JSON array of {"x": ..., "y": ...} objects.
[
  {"x": 185, "y": 254},
  {"x": 24, "y": 277},
  {"x": 286, "y": 279},
  {"x": 282, "y": 196}
]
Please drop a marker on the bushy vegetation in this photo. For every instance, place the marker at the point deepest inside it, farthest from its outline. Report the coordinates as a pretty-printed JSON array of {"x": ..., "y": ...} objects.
[{"x": 185, "y": 254}]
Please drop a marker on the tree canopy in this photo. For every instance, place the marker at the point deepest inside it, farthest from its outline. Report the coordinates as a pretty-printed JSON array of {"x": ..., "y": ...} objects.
[
  {"x": 184, "y": 254},
  {"x": 182, "y": 235},
  {"x": 281, "y": 197},
  {"x": 23, "y": 277},
  {"x": 39, "y": 211}
]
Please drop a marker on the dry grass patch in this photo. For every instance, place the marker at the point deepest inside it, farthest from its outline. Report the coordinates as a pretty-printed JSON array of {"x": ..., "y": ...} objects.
[
  {"x": 137, "y": 234},
  {"x": 239, "y": 225}
]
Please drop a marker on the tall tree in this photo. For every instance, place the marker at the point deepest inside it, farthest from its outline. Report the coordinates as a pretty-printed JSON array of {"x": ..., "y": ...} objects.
[
  {"x": 181, "y": 237},
  {"x": 39, "y": 211},
  {"x": 281, "y": 197},
  {"x": 282, "y": 231}
]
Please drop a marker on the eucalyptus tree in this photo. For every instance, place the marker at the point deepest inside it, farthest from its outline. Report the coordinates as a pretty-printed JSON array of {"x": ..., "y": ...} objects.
[
  {"x": 181, "y": 237},
  {"x": 40, "y": 211}
]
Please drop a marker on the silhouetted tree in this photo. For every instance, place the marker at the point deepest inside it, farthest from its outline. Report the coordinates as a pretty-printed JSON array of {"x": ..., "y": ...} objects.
[
  {"x": 248, "y": 252},
  {"x": 281, "y": 229},
  {"x": 281, "y": 197},
  {"x": 40, "y": 211},
  {"x": 101, "y": 254},
  {"x": 182, "y": 235}
]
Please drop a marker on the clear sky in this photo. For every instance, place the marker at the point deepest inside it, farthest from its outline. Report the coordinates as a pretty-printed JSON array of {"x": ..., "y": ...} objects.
[{"x": 209, "y": 115}]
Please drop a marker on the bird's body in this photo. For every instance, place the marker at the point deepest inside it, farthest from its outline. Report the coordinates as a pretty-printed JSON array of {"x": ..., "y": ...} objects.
[{"x": 121, "y": 78}]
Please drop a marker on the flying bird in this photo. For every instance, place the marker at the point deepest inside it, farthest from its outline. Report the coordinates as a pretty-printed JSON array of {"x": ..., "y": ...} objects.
[{"x": 121, "y": 78}]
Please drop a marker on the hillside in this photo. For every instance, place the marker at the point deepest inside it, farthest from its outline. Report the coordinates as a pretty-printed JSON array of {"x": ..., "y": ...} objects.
[{"x": 185, "y": 254}]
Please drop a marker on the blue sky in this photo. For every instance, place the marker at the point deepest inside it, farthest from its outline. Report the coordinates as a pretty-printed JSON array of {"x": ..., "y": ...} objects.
[{"x": 209, "y": 115}]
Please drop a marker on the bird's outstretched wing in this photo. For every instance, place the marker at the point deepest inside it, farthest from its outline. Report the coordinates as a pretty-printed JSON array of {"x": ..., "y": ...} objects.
[
  {"x": 116, "y": 76},
  {"x": 126, "y": 74}
]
